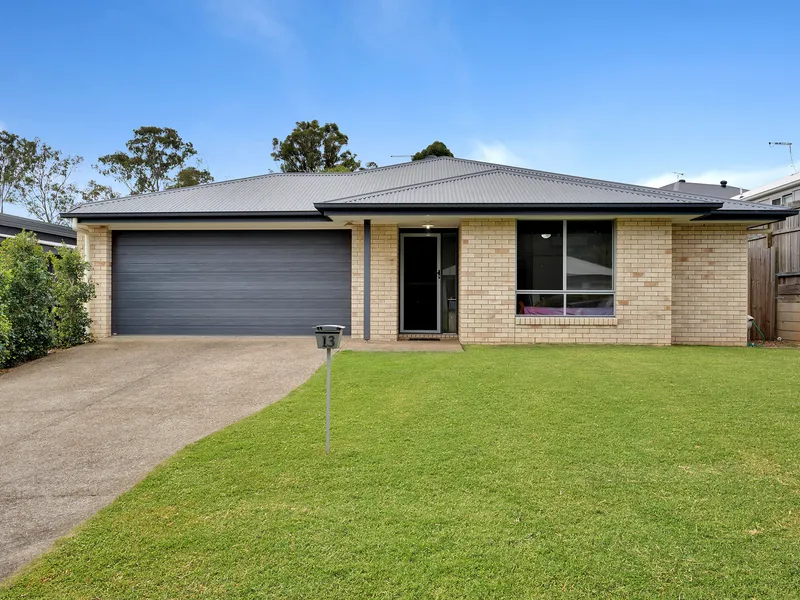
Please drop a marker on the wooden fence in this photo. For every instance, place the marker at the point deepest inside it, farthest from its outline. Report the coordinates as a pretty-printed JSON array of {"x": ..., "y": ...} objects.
[
  {"x": 761, "y": 296},
  {"x": 774, "y": 294}
]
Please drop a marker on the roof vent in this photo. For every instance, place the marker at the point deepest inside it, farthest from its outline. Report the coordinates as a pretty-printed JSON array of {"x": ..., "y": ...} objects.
[
  {"x": 723, "y": 183},
  {"x": 681, "y": 181}
]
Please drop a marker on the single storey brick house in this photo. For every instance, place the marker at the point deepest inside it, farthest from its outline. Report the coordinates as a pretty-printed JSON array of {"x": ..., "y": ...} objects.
[{"x": 438, "y": 247}]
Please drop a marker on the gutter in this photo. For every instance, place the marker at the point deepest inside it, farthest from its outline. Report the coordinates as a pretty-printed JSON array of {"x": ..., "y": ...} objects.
[
  {"x": 519, "y": 209},
  {"x": 197, "y": 217},
  {"x": 772, "y": 216}
]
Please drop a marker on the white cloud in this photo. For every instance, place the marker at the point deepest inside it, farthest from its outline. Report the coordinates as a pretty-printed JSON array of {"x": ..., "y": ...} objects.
[
  {"x": 745, "y": 178},
  {"x": 496, "y": 152},
  {"x": 253, "y": 20}
]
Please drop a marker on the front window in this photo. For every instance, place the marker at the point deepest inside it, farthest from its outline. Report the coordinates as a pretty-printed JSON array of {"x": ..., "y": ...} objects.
[{"x": 565, "y": 268}]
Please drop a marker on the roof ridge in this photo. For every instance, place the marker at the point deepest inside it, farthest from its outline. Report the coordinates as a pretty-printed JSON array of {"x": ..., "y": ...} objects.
[
  {"x": 532, "y": 173},
  {"x": 393, "y": 190}
]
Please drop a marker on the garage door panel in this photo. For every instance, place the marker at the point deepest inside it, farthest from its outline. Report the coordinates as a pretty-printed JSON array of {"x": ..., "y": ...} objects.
[
  {"x": 229, "y": 283},
  {"x": 237, "y": 280},
  {"x": 147, "y": 254}
]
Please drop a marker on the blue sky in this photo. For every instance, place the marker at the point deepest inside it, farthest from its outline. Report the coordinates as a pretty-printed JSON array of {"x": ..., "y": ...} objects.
[{"x": 627, "y": 91}]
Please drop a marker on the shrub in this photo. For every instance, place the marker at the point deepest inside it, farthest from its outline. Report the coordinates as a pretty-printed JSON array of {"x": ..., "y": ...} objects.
[
  {"x": 26, "y": 299},
  {"x": 5, "y": 329},
  {"x": 72, "y": 291}
]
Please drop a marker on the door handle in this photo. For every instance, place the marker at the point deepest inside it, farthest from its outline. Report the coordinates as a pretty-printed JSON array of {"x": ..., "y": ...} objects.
[{"x": 438, "y": 274}]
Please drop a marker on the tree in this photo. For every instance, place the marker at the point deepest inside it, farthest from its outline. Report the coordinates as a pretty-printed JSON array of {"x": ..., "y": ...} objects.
[
  {"x": 14, "y": 159},
  {"x": 314, "y": 148},
  {"x": 94, "y": 192},
  {"x": 45, "y": 190},
  {"x": 189, "y": 176},
  {"x": 437, "y": 148},
  {"x": 154, "y": 159},
  {"x": 72, "y": 291}
]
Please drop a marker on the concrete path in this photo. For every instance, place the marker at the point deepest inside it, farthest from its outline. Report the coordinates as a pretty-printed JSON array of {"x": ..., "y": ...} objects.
[{"x": 79, "y": 427}]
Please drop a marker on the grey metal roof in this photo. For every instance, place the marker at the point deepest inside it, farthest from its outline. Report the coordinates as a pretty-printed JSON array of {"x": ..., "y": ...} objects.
[
  {"x": 439, "y": 182},
  {"x": 509, "y": 186},
  {"x": 279, "y": 192},
  {"x": 713, "y": 190},
  {"x": 35, "y": 226}
]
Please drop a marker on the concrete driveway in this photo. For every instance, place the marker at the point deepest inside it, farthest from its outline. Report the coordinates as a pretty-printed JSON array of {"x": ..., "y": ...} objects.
[{"x": 81, "y": 426}]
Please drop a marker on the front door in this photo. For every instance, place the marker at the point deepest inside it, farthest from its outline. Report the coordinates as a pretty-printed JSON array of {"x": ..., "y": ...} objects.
[{"x": 420, "y": 273}]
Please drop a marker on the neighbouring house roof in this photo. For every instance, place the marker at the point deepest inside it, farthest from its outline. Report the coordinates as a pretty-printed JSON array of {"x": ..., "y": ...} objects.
[
  {"x": 50, "y": 236},
  {"x": 20, "y": 223},
  {"x": 712, "y": 190},
  {"x": 434, "y": 184},
  {"x": 790, "y": 181}
]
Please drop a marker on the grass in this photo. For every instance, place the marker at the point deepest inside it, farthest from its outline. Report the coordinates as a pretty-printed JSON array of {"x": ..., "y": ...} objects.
[{"x": 531, "y": 472}]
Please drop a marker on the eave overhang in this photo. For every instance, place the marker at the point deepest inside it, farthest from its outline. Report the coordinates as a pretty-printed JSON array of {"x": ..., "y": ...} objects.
[{"x": 310, "y": 216}]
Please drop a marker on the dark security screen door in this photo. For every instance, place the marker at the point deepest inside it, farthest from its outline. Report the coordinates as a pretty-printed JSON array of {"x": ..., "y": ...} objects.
[{"x": 420, "y": 280}]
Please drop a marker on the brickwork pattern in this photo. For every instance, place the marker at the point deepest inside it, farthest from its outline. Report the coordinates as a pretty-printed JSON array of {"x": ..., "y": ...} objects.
[
  {"x": 486, "y": 272},
  {"x": 709, "y": 288},
  {"x": 384, "y": 292},
  {"x": 357, "y": 278},
  {"x": 643, "y": 285},
  {"x": 99, "y": 246}
]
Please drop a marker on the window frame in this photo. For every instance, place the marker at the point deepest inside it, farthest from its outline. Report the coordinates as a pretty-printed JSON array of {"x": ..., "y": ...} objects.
[{"x": 565, "y": 293}]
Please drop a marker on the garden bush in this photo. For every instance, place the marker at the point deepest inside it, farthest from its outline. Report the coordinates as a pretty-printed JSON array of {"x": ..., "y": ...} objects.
[
  {"x": 40, "y": 308},
  {"x": 5, "y": 328},
  {"x": 26, "y": 299},
  {"x": 72, "y": 291}
]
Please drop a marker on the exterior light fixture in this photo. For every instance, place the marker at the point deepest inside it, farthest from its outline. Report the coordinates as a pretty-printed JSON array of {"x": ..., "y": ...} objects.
[
  {"x": 428, "y": 226},
  {"x": 546, "y": 236}
]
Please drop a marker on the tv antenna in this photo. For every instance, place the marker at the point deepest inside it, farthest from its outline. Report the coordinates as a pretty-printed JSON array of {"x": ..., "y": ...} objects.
[
  {"x": 401, "y": 155},
  {"x": 791, "y": 158},
  {"x": 678, "y": 176}
]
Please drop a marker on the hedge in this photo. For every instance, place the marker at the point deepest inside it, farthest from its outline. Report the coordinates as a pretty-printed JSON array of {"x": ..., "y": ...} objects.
[{"x": 41, "y": 308}]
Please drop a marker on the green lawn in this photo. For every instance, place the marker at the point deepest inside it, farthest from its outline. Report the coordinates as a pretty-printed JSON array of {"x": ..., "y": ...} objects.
[{"x": 531, "y": 472}]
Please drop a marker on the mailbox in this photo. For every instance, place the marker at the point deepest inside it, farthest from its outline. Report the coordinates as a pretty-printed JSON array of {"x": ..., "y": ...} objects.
[{"x": 329, "y": 337}]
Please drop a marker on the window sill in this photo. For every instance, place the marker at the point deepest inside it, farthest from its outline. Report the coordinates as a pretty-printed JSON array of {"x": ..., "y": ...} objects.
[{"x": 568, "y": 321}]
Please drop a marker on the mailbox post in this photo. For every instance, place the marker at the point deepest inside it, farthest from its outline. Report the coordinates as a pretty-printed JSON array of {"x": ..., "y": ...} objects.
[{"x": 328, "y": 337}]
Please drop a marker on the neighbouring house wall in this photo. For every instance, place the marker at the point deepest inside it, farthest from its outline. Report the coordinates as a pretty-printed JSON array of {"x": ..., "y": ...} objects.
[
  {"x": 384, "y": 291},
  {"x": 99, "y": 246},
  {"x": 709, "y": 289},
  {"x": 643, "y": 289},
  {"x": 357, "y": 285}
]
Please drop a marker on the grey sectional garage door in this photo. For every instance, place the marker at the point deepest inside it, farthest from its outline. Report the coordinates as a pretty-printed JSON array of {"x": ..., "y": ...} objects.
[{"x": 229, "y": 282}]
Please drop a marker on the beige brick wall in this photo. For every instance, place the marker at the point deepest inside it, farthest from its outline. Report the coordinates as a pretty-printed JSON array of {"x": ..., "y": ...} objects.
[
  {"x": 384, "y": 292},
  {"x": 99, "y": 246},
  {"x": 357, "y": 286},
  {"x": 486, "y": 272},
  {"x": 709, "y": 288},
  {"x": 643, "y": 284}
]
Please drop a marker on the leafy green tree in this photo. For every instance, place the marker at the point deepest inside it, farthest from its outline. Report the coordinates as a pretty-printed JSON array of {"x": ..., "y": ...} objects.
[
  {"x": 437, "y": 148},
  {"x": 189, "y": 176},
  {"x": 94, "y": 192},
  {"x": 26, "y": 298},
  {"x": 155, "y": 157},
  {"x": 45, "y": 189},
  {"x": 314, "y": 148},
  {"x": 72, "y": 289},
  {"x": 15, "y": 153}
]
